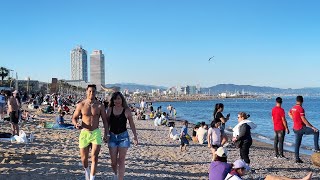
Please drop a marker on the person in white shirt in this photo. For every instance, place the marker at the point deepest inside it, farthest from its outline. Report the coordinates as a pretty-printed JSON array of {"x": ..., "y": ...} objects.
[
  {"x": 202, "y": 134},
  {"x": 173, "y": 132},
  {"x": 142, "y": 105},
  {"x": 157, "y": 120},
  {"x": 214, "y": 137}
]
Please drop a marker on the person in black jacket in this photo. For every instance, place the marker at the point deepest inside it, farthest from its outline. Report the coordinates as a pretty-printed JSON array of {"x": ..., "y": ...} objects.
[{"x": 243, "y": 140}]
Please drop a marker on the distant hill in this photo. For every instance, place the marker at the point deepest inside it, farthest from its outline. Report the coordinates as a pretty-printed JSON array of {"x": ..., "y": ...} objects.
[
  {"x": 133, "y": 87},
  {"x": 232, "y": 88}
]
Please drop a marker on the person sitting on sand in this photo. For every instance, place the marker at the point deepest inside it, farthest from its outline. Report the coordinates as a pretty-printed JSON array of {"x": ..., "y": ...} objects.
[
  {"x": 157, "y": 120},
  {"x": 202, "y": 134},
  {"x": 173, "y": 132},
  {"x": 271, "y": 177},
  {"x": 49, "y": 109},
  {"x": 33, "y": 105},
  {"x": 66, "y": 109},
  {"x": 151, "y": 115},
  {"x": 164, "y": 119},
  {"x": 239, "y": 169},
  {"x": 194, "y": 133},
  {"x": 214, "y": 137},
  {"x": 219, "y": 168},
  {"x": 183, "y": 136},
  {"x": 60, "y": 121},
  {"x": 25, "y": 115}
]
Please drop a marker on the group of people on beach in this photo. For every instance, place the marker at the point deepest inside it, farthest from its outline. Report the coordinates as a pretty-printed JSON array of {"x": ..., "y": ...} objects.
[
  {"x": 243, "y": 140},
  {"x": 301, "y": 126},
  {"x": 116, "y": 114}
]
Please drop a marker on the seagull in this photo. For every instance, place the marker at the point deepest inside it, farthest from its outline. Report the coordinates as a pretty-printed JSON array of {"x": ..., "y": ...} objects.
[{"x": 211, "y": 58}]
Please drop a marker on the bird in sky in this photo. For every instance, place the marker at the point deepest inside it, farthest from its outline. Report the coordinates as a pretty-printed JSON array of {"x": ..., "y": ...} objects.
[{"x": 211, "y": 58}]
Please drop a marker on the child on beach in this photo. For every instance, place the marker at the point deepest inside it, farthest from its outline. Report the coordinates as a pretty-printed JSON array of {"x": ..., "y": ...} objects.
[
  {"x": 173, "y": 132},
  {"x": 214, "y": 137},
  {"x": 239, "y": 169},
  {"x": 183, "y": 136}
]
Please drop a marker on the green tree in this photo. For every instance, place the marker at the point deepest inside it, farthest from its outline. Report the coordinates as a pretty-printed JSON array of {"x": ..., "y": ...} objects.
[{"x": 4, "y": 72}]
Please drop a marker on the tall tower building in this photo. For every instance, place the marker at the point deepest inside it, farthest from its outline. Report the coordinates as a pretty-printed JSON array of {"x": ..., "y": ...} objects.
[
  {"x": 79, "y": 64},
  {"x": 97, "y": 69}
]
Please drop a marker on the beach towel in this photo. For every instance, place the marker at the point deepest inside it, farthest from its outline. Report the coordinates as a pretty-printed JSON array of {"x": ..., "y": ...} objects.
[
  {"x": 236, "y": 128},
  {"x": 5, "y": 135},
  {"x": 49, "y": 125},
  {"x": 59, "y": 126}
]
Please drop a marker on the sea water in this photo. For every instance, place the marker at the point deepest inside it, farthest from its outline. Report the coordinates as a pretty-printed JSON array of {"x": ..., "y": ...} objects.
[{"x": 260, "y": 114}]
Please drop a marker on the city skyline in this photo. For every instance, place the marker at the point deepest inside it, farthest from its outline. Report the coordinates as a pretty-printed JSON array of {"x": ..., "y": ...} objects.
[{"x": 167, "y": 43}]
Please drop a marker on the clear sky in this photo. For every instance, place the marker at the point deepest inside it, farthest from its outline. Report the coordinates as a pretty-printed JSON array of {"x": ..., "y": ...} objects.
[{"x": 167, "y": 42}]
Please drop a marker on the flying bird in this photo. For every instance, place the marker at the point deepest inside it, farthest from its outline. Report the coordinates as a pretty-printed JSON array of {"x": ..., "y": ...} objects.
[{"x": 211, "y": 58}]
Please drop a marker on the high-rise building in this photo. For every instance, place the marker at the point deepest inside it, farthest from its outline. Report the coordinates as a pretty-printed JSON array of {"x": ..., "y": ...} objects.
[
  {"x": 79, "y": 64},
  {"x": 97, "y": 69}
]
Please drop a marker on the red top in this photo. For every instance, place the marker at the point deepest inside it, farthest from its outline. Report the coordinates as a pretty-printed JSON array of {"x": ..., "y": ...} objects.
[
  {"x": 277, "y": 115},
  {"x": 297, "y": 111}
]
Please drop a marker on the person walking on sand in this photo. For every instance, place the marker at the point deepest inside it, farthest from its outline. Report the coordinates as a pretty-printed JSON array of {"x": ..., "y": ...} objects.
[
  {"x": 13, "y": 110},
  {"x": 302, "y": 126},
  {"x": 117, "y": 116},
  {"x": 91, "y": 110},
  {"x": 280, "y": 127},
  {"x": 183, "y": 136},
  {"x": 2, "y": 103}
]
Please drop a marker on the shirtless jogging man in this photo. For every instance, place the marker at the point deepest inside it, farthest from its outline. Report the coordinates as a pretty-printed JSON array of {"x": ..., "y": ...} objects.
[{"x": 91, "y": 110}]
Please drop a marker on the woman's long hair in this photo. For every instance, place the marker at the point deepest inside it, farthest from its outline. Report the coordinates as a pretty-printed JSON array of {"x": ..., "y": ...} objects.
[
  {"x": 217, "y": 106},
  {"x": 114, "y": 96}
]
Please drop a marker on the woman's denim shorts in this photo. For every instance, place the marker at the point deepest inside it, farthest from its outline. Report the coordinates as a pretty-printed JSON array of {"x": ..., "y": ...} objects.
[{"x": 121, "y": 140}]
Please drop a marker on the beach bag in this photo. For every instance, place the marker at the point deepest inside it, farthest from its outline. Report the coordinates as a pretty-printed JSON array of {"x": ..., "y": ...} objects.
[{"x": 22, "y": 138}]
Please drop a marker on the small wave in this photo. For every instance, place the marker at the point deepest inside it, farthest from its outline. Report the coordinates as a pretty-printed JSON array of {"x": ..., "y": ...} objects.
[
  {"x": 289, "y": 143},
  {"x": 263, "y": 137}
]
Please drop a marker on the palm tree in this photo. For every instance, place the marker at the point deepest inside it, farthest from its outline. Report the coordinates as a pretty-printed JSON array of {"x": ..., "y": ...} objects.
[{"x": 4, "y": 72}]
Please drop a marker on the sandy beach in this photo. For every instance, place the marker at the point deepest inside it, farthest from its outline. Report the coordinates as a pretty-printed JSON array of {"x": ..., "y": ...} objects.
[{"x": 54, "y": 154}]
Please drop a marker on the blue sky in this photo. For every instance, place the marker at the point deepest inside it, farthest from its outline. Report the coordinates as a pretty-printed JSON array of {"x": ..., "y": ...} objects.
[{"x": 167, "y": 42}]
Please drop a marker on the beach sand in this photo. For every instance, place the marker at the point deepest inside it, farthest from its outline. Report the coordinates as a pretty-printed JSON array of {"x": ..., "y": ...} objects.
[{"x": 54, "y": 154}]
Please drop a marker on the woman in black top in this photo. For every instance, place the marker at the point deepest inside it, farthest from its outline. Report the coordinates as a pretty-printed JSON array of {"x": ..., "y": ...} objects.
[
  {"x": 244, "y": 139},
  {"x": 218, "y": 116},
  {"x": 117, "y": 116}
]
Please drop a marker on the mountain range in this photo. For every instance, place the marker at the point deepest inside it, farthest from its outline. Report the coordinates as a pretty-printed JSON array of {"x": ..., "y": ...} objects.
[
  {"x": 232, "y": 88},
  {"x": 229, "y": 88}
]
